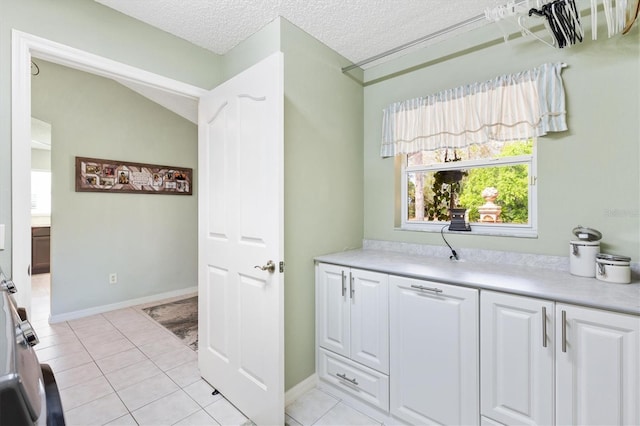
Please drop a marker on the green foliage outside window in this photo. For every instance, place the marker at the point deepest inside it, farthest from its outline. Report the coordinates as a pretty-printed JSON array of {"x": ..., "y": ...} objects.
[
  {"x": 512, "y": 183},
  {"x": 441, "y": 193}
]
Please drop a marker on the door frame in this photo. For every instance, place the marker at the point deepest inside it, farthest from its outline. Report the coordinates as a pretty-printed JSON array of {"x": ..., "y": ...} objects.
[{"x": 24, "y": 47}]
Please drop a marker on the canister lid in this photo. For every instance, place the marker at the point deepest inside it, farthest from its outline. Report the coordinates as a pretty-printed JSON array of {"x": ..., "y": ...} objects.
[
  {"x": 612, "y": 257},
  {"x": 586, "y": 234}
]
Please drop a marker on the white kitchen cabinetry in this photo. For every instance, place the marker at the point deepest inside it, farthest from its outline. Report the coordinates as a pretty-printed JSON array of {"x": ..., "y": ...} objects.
[
  {"x": 353, "y": 314},
  {"x": 595, "y": 355},
  {"x": 516, "y": 359},
  {"x": 413, "y": 351},
  {"x": 353, "y": 332},
  {"x": 597, "y": 371},
  {"x": 434, "y": 352}
]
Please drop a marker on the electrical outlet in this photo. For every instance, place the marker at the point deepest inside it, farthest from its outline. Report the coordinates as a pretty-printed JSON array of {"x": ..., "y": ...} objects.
[{"x": 113, "y": 278}]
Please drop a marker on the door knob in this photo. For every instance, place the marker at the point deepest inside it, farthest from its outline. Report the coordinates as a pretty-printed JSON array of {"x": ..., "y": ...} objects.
[{"x": 270, "y": 266}]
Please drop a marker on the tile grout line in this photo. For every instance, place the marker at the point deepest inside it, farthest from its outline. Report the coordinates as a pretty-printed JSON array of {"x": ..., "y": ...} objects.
[
  {"x": 104, "y": 375},
  {"x": 138, "y": 311},
  {"x": 102, "y": 372},
  {"x": 180, "y": 388}
]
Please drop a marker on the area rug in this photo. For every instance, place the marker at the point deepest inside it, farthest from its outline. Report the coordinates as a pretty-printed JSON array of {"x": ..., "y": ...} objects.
[{"x": 180, "y": 317}]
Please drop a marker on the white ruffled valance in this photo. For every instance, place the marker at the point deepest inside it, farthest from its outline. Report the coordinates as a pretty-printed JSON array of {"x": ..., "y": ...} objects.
[{"x": 510, "y": 107}]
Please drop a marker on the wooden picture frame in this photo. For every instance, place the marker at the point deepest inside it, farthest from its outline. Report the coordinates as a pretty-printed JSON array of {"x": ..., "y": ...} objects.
[{"x": 100, "y": 175}]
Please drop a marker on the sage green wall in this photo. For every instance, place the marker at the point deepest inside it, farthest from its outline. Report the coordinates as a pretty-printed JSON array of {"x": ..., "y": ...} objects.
[
  {"x": 323, "y": 111},
  {"x": 94, "y": 28},
  {"x": 252, "y": 50},
  {"x": 323, "y": 180},
  {"x": 588, "y": 175},
  {"x": 149, "y": 240}
]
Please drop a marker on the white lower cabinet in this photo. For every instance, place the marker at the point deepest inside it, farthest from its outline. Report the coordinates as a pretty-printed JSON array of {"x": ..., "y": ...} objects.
[
  {"x": 597, "y": 367},
  {"x": 420, "y": 352},
  {"x": 516, "y": 359},
  {"x": 353, "y": 314},
  {"x": 434, "y": 352},
  {"x": 587, "y": 374},
  {"x": 355, "y": 379},
  {"x": 486, "y": 421}
]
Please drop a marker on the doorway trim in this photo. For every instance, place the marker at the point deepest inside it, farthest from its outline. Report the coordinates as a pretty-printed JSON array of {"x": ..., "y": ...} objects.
[{"x": 24, "y": 47}]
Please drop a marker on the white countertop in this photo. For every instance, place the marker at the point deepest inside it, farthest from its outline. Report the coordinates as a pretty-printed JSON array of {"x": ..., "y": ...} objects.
[
  {"x": 37, "y": 221},
  {"x": 524, "y": 280}
]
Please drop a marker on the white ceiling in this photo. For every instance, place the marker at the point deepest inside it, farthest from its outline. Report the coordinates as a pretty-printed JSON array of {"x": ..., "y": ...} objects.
[{"x": 357, "y": 29}]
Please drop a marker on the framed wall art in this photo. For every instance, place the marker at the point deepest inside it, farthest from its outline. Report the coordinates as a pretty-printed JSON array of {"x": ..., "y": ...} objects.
[{"x": 98, "y": 175}]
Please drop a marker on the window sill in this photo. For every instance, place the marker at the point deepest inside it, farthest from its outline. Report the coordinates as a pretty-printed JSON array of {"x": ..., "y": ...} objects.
[{"x": 476, "y": 229}]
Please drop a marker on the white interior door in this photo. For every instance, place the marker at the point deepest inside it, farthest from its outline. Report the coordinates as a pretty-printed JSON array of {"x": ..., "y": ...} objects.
[{"x": 240, "y": 196}]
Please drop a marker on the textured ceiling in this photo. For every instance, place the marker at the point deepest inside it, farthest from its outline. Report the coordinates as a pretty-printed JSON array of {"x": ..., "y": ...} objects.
[{"x": 357, "y": 29}]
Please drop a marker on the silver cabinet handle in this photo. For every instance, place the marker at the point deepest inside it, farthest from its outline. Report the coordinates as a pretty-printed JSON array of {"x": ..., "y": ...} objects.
[
  {"x": 544, "y": 327},
  {"x": 564, "y": 331},
  {"x": 351, "y": 284},
  {"x": 422, "y": 288},
  {"x": 344, "y": 377},
  {"x": 344, "y": 286}
]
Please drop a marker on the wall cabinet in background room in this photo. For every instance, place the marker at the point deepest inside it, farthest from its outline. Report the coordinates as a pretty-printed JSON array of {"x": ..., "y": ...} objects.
[{"x": 40, "y": 249}]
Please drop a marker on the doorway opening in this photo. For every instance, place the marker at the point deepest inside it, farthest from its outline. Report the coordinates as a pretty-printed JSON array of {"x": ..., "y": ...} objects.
[
  {"x": 25, "y": 48},
  {"x": 41, "y": 215}
]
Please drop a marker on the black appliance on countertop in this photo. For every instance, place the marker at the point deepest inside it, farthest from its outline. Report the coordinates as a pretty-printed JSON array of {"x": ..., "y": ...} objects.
[{"x": 28, "y": 391}]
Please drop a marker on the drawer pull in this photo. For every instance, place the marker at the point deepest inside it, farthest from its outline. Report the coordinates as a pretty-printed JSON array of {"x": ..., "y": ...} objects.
[
  {"x": 344, "y": 287},
  {"x": 423, "y": 288},
  {"x": 344, "y": 377}
]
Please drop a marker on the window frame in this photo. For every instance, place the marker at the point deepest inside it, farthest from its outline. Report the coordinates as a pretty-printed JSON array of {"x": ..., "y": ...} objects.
[{"x": 529, "y": 230}]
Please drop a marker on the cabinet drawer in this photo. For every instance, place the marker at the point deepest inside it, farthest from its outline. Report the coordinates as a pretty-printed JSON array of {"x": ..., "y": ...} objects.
[{"x": 358, "y": 380}]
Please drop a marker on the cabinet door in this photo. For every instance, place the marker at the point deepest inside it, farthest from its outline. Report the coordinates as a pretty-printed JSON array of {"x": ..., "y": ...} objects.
[
  {"x": 516, "y": 359},
  {"x": 333, "y": 316},
  {"x": 597, "y": 367},
  {"x": 434, "y": 352},
  {"x": 369, "y": 301}
]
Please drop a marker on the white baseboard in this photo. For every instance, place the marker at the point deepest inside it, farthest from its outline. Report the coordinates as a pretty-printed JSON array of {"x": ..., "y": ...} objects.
[
  {"x": 298, "y": 390},
  {"x": 68, "y": 316}
]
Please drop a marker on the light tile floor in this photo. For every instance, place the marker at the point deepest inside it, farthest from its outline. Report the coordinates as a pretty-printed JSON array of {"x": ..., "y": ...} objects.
[{"x": 123, "y": 368}]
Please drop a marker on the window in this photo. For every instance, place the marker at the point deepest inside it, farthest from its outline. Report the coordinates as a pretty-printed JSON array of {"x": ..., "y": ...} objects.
[
  {"x": 40, "y": 193},
  {"x": 494, "y": 182}
]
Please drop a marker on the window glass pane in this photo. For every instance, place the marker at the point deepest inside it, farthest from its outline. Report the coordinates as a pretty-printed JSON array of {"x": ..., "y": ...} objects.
[
  {"x": 493, "y": 149},
  {"x": 40, "y": 192},
  {"x": 498, "y": 194}
]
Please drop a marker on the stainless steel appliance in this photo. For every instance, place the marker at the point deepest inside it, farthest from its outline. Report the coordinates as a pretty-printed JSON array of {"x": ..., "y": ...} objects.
[{"x": 28, "y": 392}]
